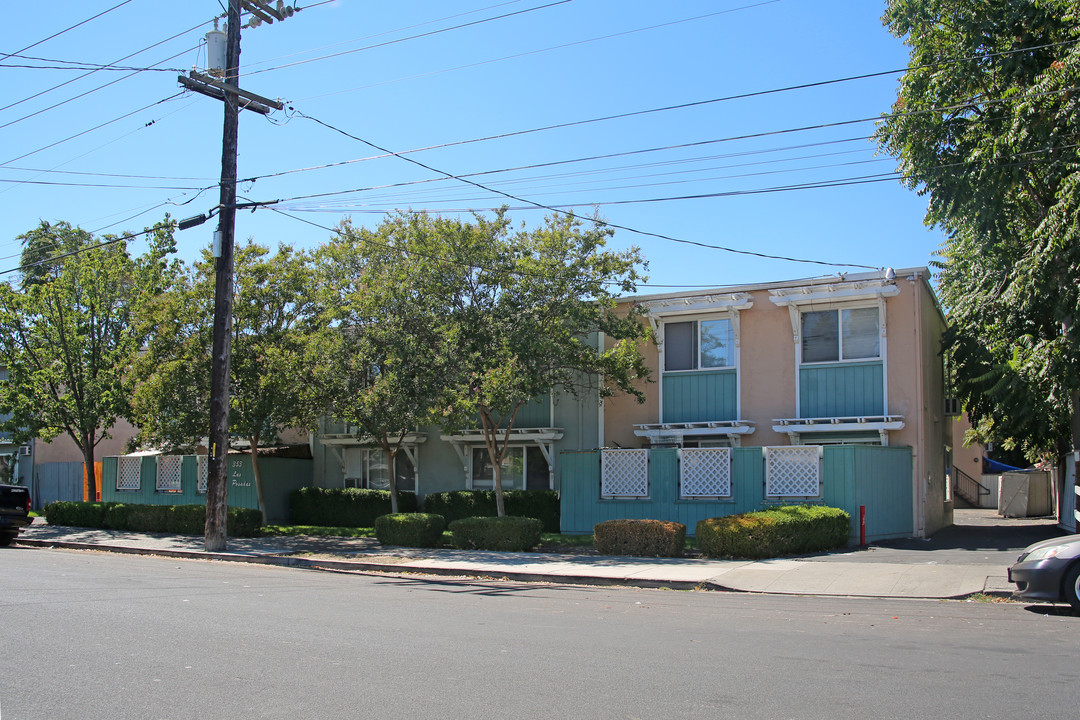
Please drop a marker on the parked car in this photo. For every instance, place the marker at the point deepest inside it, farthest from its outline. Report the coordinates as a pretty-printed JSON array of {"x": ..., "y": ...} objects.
[
  {"x": 14, "y": 512},
  {"x": 1049, "y": 571}
]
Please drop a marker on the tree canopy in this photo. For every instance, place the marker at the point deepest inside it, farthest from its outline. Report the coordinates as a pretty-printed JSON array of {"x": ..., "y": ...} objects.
[
  {"x": 70, "y": 329},
  {"x": 987, "y": 126},
  {"x": 274, "y": 318}
]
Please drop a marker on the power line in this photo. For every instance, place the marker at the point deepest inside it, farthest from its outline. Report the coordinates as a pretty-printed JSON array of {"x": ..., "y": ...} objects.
[
  {"x": 579, "y": 217},
  {"x": 4, "y": 56},
  {"x": 414, "y": 37},
  {"x": 80, "y": 65},
  {"x": 531, "y": 52},
  {"x": 91, "y": 72},
  {"x": 106, "y": 243},
  {"x": 96, "y": 127}
]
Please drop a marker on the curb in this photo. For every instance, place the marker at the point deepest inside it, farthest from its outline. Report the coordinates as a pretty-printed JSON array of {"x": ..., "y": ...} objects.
[{"x": 353, "y": 566}]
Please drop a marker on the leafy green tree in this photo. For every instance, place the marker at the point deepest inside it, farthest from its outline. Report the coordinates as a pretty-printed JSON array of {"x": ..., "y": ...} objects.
[
  {"x": 527, "y": 310},
  {"x": 987, "y": 125},
  {"x": 385, "y": 360},
  {"x": 70, "y": 330},
  {"x": 274, "y": 319}
]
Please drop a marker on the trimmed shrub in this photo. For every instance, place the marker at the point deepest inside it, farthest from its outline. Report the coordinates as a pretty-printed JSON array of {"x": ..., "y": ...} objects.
[
  {"x": 642, "y": 538},
  {"x": 455, "y": 505},
  {"x": 181, "y": 519},
  {"x": 77, "y": 514},
  {"x": 344, "y": 507},
  {"x": 784, "y": 530},
  {"x": 410, "y": 529},
  {"x": 513, "y": 534}
]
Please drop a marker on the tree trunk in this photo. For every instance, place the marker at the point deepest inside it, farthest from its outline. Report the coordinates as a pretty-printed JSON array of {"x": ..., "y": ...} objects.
[
  {"x": 491, "y": 442},
  {"x": 392, "y": 477},
  {"x": 88, "y": 468},
  {"x": 254, "y": 441}
]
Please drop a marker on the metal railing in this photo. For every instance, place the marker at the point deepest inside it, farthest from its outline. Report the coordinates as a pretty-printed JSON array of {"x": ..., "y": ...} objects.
[{"x": 968, "y": 487}]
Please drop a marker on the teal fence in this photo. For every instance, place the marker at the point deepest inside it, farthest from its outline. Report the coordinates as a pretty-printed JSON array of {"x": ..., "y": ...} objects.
[
  {"x": 280, "y": 477},
  {"x": 876, "y": 477}
]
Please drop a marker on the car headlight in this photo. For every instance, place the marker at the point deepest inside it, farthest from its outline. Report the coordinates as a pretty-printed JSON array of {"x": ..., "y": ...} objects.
[{"x": 1045, "y": 553}]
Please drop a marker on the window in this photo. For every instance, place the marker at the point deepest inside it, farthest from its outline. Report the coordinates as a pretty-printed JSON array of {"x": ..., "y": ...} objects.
[
  {"x": 699, "y": 344},
  {"x": 844, "y": 334},
  {"x": 523, "y": 467},
  {"x": 367, "y": 468},
  {"x": 169, "y": 473}
]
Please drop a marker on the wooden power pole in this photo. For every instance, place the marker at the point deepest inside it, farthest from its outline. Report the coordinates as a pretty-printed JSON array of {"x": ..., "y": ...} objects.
[
  {"x": 235, "y": 99},
  {"x": 217, "y": 487}
]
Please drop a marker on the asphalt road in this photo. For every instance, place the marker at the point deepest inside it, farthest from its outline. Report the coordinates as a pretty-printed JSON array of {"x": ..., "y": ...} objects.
[{"x": 91, "y": 635}]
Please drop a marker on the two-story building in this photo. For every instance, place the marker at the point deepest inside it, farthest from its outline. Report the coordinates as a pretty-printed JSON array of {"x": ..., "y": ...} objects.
[{"x": 825, "y": 390}]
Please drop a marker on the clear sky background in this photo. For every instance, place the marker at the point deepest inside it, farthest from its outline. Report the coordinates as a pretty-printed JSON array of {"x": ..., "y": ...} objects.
[{"x": 114, "y": 150}]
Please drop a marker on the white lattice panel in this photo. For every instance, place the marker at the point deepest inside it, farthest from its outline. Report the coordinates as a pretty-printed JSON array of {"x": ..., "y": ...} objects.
[
  {"x": 204, "y": 473},
  {"x": 793, "y": 471},
  {"x": 128, "y": 473},
  {"x": 624, "y": 473},
  {"x": 168, "y": 473},
  {"x": 705, "y": 472}
]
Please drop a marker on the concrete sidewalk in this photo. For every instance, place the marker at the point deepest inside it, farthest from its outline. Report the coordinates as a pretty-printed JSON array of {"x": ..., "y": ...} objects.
[{"x": 901, "y": 573}]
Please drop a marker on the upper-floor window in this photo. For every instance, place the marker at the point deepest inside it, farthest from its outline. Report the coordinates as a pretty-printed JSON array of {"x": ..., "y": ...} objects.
[
  {"x": 699, "y": 344},
  {"x": 842, "y": 334}
]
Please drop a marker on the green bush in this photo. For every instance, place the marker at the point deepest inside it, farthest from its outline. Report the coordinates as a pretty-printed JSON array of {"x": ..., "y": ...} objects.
[
  {"x": 785, "y": 530},
  {"x": 410, "y": 529},
  {"x": 181, "y": 519},
  {"x": 344, "y": 507},
  {"x": 643, "y": 538},
  {"x": 77, "y": 514},
  {"x": 540, "y": 504},
  {"x": 510, "y": 533}
]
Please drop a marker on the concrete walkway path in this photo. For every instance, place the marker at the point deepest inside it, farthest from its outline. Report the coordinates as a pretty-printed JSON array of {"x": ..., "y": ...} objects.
[{"x": 958, "y": 562}]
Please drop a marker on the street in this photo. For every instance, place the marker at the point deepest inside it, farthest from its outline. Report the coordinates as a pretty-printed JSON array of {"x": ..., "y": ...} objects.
[{"x": 96, "y": 635}]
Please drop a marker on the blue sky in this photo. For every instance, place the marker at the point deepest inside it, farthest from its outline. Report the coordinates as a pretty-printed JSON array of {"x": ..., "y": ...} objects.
[{"x": 514, "y": 66}]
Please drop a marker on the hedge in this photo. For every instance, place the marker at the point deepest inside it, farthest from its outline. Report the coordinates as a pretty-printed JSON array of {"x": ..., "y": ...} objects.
[
  {"x": 179, "y": 519},
  {"x": 785, "y": 530},
  {"x": 410, "y": 529},
  {"x": 345, "y": 507},
  {"x": 455, "y": 505},
  {"x": 509, "y": 533},
  {"x": 643, "y": 538}
]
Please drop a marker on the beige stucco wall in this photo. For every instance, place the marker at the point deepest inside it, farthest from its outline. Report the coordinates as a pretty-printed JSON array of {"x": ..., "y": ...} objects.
[
  {"x": 968, "y": 459},
  {"x": 63, "y": 449}
]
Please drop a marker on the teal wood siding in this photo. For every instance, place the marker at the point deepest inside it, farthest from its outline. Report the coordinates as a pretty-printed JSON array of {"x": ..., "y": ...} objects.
[
  {"x": 700, "y": 396},
  {"x": 280, "y": 477},
  {"x": 533, "y": 414},
  {"x": 844, "y": 390},
  {"x": 852, "y": 475}
]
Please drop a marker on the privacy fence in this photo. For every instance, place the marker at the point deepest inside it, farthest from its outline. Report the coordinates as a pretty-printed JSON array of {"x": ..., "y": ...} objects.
[{"x": 687, "y": 485}]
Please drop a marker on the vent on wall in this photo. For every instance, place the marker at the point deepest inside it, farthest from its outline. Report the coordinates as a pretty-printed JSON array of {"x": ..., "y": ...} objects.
[
  {"x": 24, "y": 450},
  {"x": 952, "y": 406}
]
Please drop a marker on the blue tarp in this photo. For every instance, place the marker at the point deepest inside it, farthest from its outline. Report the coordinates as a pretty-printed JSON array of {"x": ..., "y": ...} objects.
[{"x": 992, "y": 467}]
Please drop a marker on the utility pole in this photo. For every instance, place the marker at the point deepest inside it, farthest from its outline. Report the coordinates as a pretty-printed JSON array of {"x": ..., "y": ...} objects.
[
  {"x": 235, "y": 99},
  {"x": 217, "y": 487}
]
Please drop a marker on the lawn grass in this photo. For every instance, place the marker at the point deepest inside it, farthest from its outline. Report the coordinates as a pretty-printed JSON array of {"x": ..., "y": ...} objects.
[{"x": 548, "y": 541}]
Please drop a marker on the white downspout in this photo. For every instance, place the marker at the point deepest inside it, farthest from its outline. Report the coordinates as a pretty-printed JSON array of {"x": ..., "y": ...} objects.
[{"x": 919, "y": 460}]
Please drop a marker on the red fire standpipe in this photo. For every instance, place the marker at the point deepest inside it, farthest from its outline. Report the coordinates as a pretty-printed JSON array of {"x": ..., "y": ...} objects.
[{"x": 862, "y": 525}]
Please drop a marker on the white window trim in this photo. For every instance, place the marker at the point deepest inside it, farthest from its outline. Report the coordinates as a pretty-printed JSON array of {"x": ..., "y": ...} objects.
[
  {"x": 838, "y": 296},
  {"x": 700, "y": 307}
]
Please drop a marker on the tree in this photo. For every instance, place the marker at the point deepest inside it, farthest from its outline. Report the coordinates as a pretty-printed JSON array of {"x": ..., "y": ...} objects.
[
  {"x": 70, "y": 330},
  {"x": 385, "y": 358},
  {"x": 528, "y": 310},
  {"x": 987, "y": 124},
  {"x": 274, "y": 317}
]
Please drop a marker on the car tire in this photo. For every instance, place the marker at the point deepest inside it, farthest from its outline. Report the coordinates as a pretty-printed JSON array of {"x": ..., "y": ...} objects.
[
  {"x": 1072, "y": 587},
  {"x": 6, "y": 539}
]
